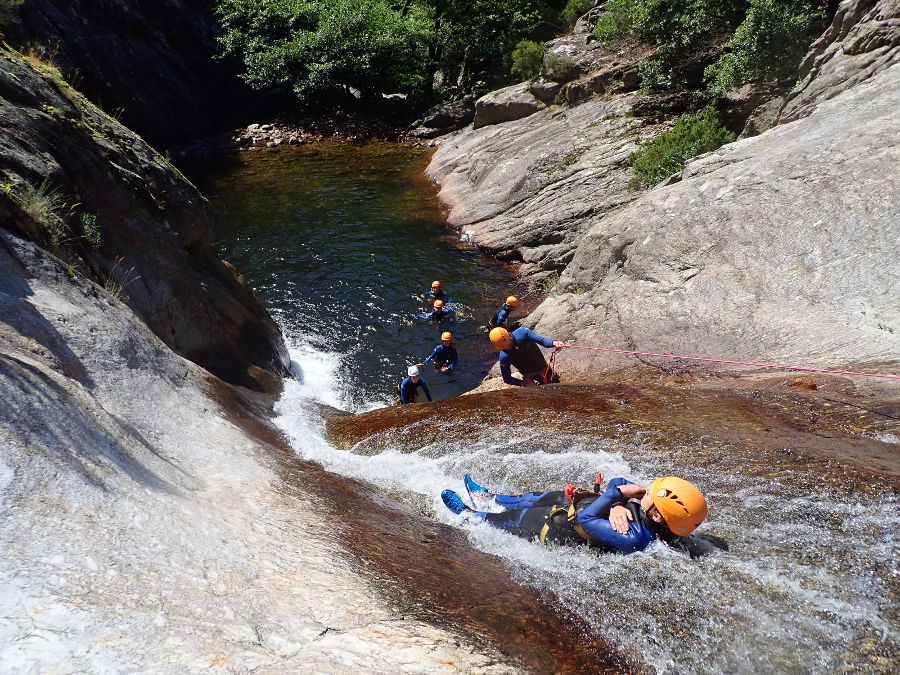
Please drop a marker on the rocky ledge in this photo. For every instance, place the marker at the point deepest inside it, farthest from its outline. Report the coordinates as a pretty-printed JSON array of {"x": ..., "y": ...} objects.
[{"x": 96, "y": 196}]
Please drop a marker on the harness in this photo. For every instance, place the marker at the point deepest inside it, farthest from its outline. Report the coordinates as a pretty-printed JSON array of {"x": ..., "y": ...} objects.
[{"x": 560, "y": 526}]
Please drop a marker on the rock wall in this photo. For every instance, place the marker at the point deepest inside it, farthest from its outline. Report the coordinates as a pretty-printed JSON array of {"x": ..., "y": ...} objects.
[
  {"x": 153, "y": 236},
  {"x": 779, "y": 247},
  {"x": 150, "y": 62}
]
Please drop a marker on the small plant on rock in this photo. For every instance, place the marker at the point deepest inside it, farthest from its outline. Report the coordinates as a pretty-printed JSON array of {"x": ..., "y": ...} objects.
[
  {"x": 692, "y": 135},
  {"x": 560, "y": 68},
  {"x": 119, "y": 279},
  {"x": 574, "y": 10},
  {"x": 45, "y": 204},
  {"x": 89, "y": 230},
  {"x": 527, "y": 58}
]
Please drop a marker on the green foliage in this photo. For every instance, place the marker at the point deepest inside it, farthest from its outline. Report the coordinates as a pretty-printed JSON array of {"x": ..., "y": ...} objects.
[
  {"x": 375, "y": 46},
  {"x": 548, "y": 283},
  {"x": 119, "y": 279},
  {"x": 723, "y": 43},
  {"x": 89, "y": 229},
  {"x": 527, "y": 58},
  {"x": 574, "y": 10},
  {"x": 770, "y": 42},
  {"x": 560, "y": 68},
  {"x": 692, "y": 135},
  {"x": 317, "y": 46},
  {"x": 7, "y": 186},
  {"x": 45, "y": 205}
]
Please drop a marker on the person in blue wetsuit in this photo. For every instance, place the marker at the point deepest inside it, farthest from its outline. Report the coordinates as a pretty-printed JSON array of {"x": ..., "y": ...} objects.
[
  {"x": 437, "y": 293},
  {"x": 408, "y": 390},
  {"x": 444, "y": 356},
  {"x": 625, "y": 518},
  {"x": 440, "y": 312},
  {"x": 519, "y": 349},
  {"x": 501, "y": 318}
]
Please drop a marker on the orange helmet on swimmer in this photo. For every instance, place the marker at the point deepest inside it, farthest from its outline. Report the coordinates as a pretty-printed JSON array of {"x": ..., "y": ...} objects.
[
  {"x": 512, "y": 301},
  {"x": 438, "y": 304},
  {"x": 501, "y": 338},
  {"x": 446, "y": 335},
  {"x": 435, "y": 284},
  {"x": 682, "y": 506}
]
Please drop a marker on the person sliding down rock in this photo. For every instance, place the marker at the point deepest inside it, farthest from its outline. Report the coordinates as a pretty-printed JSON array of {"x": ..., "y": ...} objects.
[
  {"x": 625, "y": 518},
  {"x": 408, "y": 389},
  {"x": 444, "y": 356},
  {"x": 519, "y": 349},
  {"x": 440, "y": 312},
  {"x": 501, "y": 319}
]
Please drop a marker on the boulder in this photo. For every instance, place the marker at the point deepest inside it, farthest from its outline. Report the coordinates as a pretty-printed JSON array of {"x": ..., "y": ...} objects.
[{"x": 505, "y": 105}]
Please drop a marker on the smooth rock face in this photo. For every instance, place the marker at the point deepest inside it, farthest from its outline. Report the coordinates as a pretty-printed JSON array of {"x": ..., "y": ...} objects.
[
  {"x": 781, "y": 247},
  {"x": 862, "y": 41},
  {"x": 155, "y": 229},
  {"x": 505, "y": 105},
  {"x": 141, "y": 530},
  {"x": 534, "y": 186},
  {"x": 153, "y": 61}
]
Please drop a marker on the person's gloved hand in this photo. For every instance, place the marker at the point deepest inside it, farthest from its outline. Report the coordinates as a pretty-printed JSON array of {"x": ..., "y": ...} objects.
[{"x": 570, "y": 491}]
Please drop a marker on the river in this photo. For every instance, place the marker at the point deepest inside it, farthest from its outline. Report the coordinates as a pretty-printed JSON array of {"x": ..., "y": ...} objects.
[{"x": 340, "y": 241}]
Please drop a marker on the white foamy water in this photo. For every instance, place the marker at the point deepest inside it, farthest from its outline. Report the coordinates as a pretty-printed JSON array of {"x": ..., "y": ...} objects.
[{"x": 806, "y": 588}]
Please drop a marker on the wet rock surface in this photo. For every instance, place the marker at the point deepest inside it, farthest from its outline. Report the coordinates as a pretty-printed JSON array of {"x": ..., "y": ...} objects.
[
  {"x": 802, "y": 430},
  {"x": 152, "y": 230},
  {"x": 139, "y": 524}
]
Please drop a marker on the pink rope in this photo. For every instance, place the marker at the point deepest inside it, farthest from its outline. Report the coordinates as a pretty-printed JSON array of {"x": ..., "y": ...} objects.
[{"x": 738, "y": 363}]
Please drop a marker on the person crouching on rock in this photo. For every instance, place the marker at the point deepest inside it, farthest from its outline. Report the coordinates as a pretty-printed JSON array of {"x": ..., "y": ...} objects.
[
  {"x": 440, "y": 312},
  {"x": 408, "y": 390},
  {"x": 519, "y": 349},
  {"x": 625, "y": 518},
  {"x": 436, "y": 292},
  {"x": 502, "y": 318},
  {"x": 444, "y": 356}
]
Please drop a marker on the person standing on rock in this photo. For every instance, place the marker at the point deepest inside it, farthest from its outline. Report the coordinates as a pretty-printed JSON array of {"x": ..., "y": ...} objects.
[
  {"x": 625, "y": 518},
  {"x": 501, "y": 319},
  {"x": 444, "y": 356},
  {"x": 519, "y": 348},
  {"x": 408, "y": 390}
]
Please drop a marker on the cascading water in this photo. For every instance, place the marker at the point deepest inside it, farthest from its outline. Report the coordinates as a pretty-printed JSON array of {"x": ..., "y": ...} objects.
[{"x": 811, "y": 582}]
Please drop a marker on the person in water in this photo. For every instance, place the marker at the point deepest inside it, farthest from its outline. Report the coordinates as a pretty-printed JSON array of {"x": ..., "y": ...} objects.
[
  {"x": 519, "y": 348},
  {"x": 444, "y": 356},
  {"x": 436, "y": 292},
  {"x": 625, "y": 518},
  {"x": 408, "y": 390},
  {"x": 439, "y": 313},
  {"x": 501, "y": 318}
]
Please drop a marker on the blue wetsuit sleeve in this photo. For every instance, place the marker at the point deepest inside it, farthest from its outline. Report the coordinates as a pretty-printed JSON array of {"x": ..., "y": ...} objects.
[
  {"x": 506, "y": 371},
  {"x": 433, "y": 354},
  {"x": 404, "y": 396},
  {"x": 502, "y": 317},
  {"x": 425, "y": 389},
  {"x": 595, "y": 520},
  {"x": 523, "y": 332}
]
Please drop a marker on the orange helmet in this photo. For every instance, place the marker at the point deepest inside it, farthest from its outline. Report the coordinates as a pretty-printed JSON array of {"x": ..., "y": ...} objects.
[
  {"x": 680, "y": 503},
  {"x": 501, "y": 338},
  {"x": 438, "y": 304},
  {"x": 512, "y": 301},
  {"x": 446, "y": 335},
  {"x": 435, "y": 284}
]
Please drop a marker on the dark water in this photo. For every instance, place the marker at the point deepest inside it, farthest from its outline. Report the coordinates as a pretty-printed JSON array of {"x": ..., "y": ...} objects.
[{"x": 340, "y": 241}]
